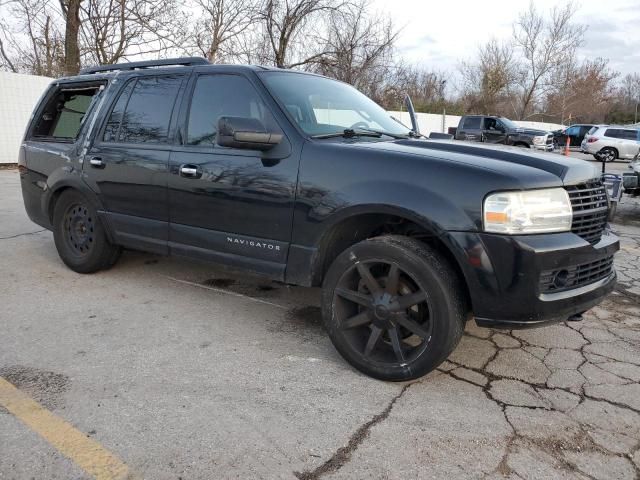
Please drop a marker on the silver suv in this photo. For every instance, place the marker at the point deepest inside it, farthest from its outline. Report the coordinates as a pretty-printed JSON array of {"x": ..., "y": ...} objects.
[{"x": 610, "y": 142}]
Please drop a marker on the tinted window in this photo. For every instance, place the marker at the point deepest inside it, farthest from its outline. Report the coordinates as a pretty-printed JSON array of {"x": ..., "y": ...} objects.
[
  {"x": 629, "y": 134},
  {"x": 472, "y": 122},
  {"x": 215, "y": 96},
  {"x": 612, "y": 133},
  {"x": 113, "y": 124},
  {"x": 572, "y": 131},
  {"x": 147, "y": 113}
]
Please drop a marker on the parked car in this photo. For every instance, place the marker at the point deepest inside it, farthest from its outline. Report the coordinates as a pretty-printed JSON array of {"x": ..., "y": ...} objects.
[
  {"x": 609, "y": 142},
  {"x": 575, "y": 133},
  {"x": 488, "y": 129},
  {"x": 305, "y": 180}
]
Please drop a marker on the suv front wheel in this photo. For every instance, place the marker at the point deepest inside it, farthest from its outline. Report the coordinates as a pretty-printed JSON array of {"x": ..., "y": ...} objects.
[
  {"x": 393, "y": 307},
  {"x": 79, "y": 236}
]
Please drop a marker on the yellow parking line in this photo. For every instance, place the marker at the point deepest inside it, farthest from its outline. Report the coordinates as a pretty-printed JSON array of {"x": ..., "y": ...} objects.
[{"x": 85, "y": 452}]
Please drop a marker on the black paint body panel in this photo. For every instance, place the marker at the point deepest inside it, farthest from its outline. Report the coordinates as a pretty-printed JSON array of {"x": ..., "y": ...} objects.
[{"x": 272, "y": 212}]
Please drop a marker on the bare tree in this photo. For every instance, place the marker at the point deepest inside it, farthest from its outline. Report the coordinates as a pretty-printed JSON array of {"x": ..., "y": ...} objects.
[
  {"x": 71, "y": 11},
  {"x": 220, "y": 25},
  {"x": 116, "y": 29},
  {"x": 288, "y": 26},
  {"x": 585, "y": 93},
  {"x": 546, "y": 42},
  {"x": 31, "y": 40},
  {"x": 488, "y": 82},
  {"x": 358, "y": 48}
]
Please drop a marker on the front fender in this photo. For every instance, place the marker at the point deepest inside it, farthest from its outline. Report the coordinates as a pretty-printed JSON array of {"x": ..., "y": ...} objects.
[{"x": 423, "y": 206}]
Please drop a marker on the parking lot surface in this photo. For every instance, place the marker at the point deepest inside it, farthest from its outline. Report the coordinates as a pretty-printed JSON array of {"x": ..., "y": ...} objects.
[{"x": 177, "y": 370}]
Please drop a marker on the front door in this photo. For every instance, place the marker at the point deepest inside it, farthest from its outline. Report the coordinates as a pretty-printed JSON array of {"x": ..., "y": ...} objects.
[
  {"x": 494, "y": 131},
  {"x": 232, "y": 206},
  {"x": 127, "y": 166}
]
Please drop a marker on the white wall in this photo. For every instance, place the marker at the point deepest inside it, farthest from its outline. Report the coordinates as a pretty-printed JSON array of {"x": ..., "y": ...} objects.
[
  {"x": 18, "y": 97},
  {"x": 432, "y": 122}
]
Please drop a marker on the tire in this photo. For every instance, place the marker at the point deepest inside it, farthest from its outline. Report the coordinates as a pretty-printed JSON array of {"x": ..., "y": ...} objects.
[
  {"x": 607, "y": 155},
  {"x": 410, "y": 325},
  {"x": 79, "y": 235}
]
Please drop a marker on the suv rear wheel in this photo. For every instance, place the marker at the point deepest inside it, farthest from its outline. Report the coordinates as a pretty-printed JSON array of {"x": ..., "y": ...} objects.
[
  {"x": 393, "y": 307},
  {"x": 79, "y": 235},
  {"x": 607, "y": 154}
]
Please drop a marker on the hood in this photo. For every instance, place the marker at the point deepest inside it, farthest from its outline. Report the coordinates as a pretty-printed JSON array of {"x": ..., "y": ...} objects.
[
  {"x": 528, "y": 131},
  {"x": 511, "y": 161}
]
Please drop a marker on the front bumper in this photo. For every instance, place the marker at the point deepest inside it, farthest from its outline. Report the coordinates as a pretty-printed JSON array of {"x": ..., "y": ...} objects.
[
  {"x": 543, "y": 147},
  {"x": 503, "y": 274}
]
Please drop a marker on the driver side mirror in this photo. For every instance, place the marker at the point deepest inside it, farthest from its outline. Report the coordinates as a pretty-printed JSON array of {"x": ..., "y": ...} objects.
[{"x": 248, "y": 133}]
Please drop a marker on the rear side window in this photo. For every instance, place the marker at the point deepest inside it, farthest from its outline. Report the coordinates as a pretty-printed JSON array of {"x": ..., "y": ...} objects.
[
  {"x": 629, "y": 134},
  {"x": 613, "y": 133},
  {"x": 216, "y": 96},
  {"x": 65, "y": 113},
  {"x": 472, "y": 122},
  {"x": 142, "y": 113}
]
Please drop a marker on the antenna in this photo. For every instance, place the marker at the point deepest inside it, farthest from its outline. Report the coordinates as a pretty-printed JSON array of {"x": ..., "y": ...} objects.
[{"x": 412, "y": 115}]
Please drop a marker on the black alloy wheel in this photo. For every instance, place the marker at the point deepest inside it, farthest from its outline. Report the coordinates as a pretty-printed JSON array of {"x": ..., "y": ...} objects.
[
  {"x": 383, "y": 313},
  {"x": 393, "y": 307}
]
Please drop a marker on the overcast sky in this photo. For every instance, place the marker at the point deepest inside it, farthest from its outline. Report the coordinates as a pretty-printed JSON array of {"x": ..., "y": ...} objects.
[{"x": 438, "y": 34}]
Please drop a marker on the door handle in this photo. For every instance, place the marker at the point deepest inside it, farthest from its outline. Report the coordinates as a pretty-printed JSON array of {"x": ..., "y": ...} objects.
[
  {"x": 96, "y": 162},
  {"x": 190, "y": 171}
]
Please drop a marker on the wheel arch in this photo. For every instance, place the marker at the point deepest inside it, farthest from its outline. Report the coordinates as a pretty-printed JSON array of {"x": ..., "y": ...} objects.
[
  {"x": 56, "y": 187},
  {"x": 367, "y": 221}
]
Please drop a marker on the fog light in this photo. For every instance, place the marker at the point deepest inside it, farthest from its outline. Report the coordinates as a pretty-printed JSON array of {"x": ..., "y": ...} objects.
[{"x": 560, "y": 279}]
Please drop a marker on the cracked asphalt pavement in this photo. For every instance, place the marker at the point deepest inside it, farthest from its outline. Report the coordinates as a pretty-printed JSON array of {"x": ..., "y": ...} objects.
[{"x": 186, "y": 371}]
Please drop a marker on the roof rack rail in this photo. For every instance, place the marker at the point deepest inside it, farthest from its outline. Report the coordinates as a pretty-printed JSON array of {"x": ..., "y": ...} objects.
[{"x": 184, "y": 61}]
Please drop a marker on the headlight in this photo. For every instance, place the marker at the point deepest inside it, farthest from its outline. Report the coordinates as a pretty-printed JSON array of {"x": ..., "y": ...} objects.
[
  {"x": 529, "y": 211},
  {"x": 540, "y": 139}
]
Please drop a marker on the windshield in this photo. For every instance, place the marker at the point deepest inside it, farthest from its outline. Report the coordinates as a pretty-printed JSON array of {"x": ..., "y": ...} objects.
[
  {"x": 321, "y": 106},
  {"x": 508, "y": 123}
]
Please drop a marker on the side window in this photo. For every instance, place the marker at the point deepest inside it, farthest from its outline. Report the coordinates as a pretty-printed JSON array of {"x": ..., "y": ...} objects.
[
  {"x": 65, "y": 113},
  {"x": 630, "y": 134},
  {"x": 612, "y": 133},
  {"x": 472, "y": 122},
  {"x": 113, "y": 123},
  {"x": 216, "y": 96},
  {"x": 142, "y": 113},
  {"x": 572, "y": 131}
]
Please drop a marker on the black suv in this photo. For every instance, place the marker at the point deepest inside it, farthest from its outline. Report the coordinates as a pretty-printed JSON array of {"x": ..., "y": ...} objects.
[
  {"x": 305, "y": 180},
  {"x": 484, "y": 128}
]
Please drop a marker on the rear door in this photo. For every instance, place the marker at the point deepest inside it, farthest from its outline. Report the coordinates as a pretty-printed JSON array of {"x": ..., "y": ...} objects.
[
  {"x": 128, "y": 163},
  {"x": 231, "y": 206}
]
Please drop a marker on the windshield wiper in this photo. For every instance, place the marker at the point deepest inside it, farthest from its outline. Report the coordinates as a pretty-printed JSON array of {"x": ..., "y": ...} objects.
[
  {"x": 360, "y": 132},
  {"x": 349, "y": 133}
]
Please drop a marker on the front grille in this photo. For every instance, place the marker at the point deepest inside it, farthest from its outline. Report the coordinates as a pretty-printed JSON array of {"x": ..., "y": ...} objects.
[
  {"x": 590, "y": 209},
  {"x": 559, "y": 280},
  {"x": 549, "y": 139}
]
